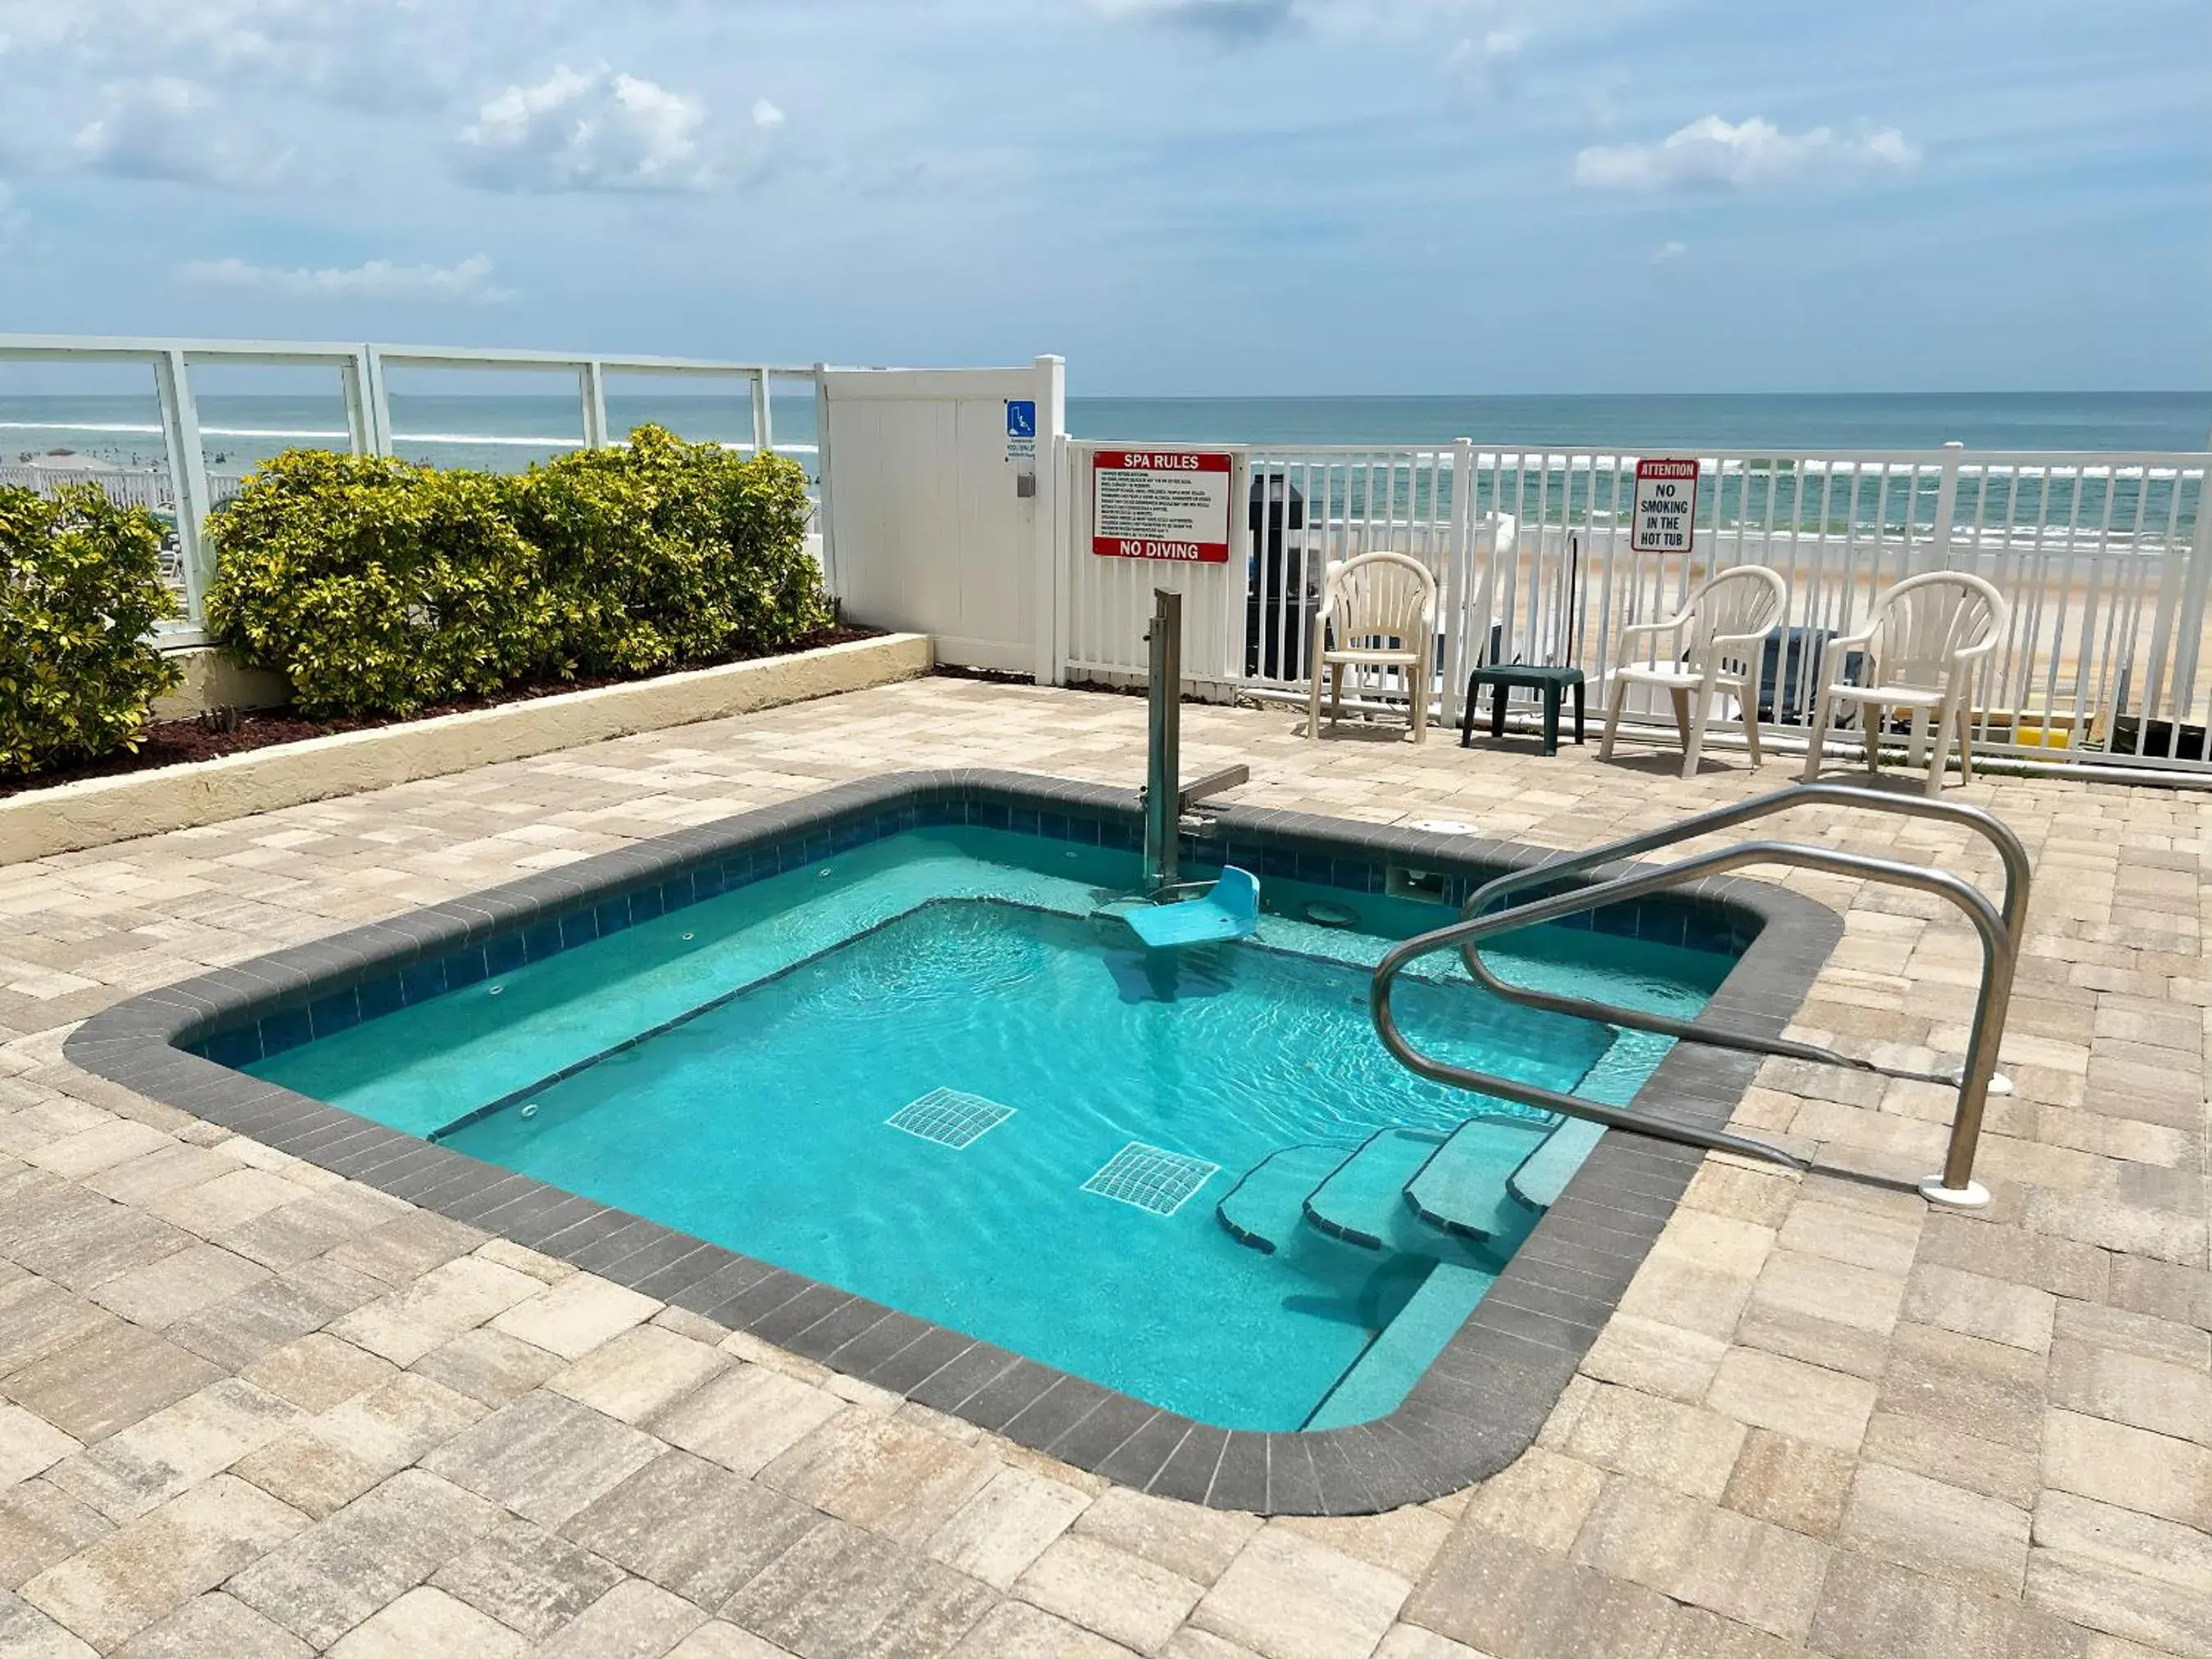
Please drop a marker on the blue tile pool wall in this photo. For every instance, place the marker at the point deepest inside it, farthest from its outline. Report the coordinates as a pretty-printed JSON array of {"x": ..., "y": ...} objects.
[
  {"x": 1695, "y": 923},
  {"x": 1478, "y": 1406}
]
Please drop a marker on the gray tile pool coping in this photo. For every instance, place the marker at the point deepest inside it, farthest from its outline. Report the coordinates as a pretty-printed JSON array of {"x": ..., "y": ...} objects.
[{"x": 1476, "y": 1409}]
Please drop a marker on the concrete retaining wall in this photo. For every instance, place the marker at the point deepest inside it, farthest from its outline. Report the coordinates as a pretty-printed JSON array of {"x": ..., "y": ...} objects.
[
  {"x": 95, "y": 812},
  {"x": 212, "y": 680}
]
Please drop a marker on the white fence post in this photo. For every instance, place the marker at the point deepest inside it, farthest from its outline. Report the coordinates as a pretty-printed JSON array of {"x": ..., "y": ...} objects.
[
  {"x": 592, "y": 385},
  {"x": 821, "y": 513},
  {"x": 353, "y": 377},
  {"x": 1458, "y": 578},
  {"x": 181, "y": 434},
  {"x": 1947, "y": 505},
  {"x": 1073, "y": 464},
  {"x": 2177, "y": 572},
  {"x": 1064, "y": 550},
  {"x": 380, "y": 402},
  {"x": 2182, "y": 699},
  {"x": 1050, "y": 562},
  {"x": 763, "y": 416},
  {"x": 1237, "y": 620}
]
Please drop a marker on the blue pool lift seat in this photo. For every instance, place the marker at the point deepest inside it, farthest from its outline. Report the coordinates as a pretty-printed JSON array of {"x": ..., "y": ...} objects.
[{"x": 1229, "y": 909}]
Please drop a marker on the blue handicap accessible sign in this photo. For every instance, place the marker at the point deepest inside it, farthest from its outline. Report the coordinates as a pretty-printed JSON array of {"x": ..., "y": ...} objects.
[{"x": 1021, "y": 417}]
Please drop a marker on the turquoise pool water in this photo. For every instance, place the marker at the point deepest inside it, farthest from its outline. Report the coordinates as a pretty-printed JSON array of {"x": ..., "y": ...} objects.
[{"x": 965, "y": 969}]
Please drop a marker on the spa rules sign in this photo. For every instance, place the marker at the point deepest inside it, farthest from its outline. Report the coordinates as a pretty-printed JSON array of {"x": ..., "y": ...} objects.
[
  {"x": 1666, "y": 506},
  {"x": 1160, "y": 504}
]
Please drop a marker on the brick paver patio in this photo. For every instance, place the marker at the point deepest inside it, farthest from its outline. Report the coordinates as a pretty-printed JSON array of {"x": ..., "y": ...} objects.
[{"x": 247, "y": 1408}]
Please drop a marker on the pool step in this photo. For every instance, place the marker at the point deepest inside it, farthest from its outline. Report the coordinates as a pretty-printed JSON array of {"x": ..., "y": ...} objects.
[
  {"x": 1363, "y": 1201},
  {"x": 1463, "y": 1188},
  {"x": 1378, "y": 1380},
  {"x": 1409, "y": 1190},
  {"x": 1545, "y": 1172},
  {"x": 1264, "y": 1208}
]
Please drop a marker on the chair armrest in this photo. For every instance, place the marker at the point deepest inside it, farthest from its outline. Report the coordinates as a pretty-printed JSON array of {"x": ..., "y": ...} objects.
[
  {"x": 1667, "y": 625},
  {"x": 1723, "y": 640},
  {"x": 1836, "y": 657},
  {"x": 1975, "y": 653}
]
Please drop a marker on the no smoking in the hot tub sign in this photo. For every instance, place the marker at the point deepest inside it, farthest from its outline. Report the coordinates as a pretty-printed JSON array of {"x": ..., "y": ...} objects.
[{"x": 1666, "y": 506}]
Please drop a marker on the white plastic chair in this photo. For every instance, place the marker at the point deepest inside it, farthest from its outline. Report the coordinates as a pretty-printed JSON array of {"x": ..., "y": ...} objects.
[
  {"x": 1383, "y": 609},
  {"x": 1923, "y": 640},
  {"x": 1724, "y": 628}
]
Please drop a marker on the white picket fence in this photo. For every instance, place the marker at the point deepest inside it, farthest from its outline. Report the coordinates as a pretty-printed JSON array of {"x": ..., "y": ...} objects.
[{"x": 2104, "y": 558}]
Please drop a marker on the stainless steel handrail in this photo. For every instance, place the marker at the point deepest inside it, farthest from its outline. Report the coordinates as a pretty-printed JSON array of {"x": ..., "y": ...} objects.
[
  {"x": 1979, "y": 819},
  {"x": 1999, "y": 930},
  {"x": 2010, "y": 851}
]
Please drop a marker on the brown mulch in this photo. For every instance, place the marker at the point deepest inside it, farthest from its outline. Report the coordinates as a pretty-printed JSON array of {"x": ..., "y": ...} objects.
[{"x": 181, "y": 742}]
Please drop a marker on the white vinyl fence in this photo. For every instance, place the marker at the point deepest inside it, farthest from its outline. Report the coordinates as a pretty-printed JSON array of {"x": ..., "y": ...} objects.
[
  {"x": 1248, "y": 624},
  {"x": 151, "y": 487},
  {"x": 2106, "y": 559},
  {"x": 2103, "y": 557},
  {"x": 1107, "y": 603}
]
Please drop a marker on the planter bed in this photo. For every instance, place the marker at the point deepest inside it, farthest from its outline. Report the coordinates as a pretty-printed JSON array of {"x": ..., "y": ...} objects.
[
  {"x": 281, "y": 762},
  {"x": 188, "y": 739}
]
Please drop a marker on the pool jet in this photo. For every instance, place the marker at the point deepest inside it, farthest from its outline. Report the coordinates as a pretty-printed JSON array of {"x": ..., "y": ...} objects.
[{"x": 1176, "y": 912}]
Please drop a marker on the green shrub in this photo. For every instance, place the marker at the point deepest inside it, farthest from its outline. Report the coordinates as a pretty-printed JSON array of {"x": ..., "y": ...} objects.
[
  {"x": 378, "y": 587},
  {"x": 79, "y": 592},
  {"x": 663, "y": 553},
  {"x": 375, "y": 585}
]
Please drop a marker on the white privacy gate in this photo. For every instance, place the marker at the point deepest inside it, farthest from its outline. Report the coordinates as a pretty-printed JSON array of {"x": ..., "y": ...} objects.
[
  {"x": 942, "y": 511},
  {"x": 2104, "y": 559}
]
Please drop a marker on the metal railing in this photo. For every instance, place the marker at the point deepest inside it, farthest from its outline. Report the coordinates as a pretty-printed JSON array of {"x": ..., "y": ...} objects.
[
  {"x": 1998, "y": 929},
  {"x": 1251, "y": 621},
  {"x": 188, "y": 485},
  {"x": 2102, "y": 556},
  {"x": 2106, "y": 560}
]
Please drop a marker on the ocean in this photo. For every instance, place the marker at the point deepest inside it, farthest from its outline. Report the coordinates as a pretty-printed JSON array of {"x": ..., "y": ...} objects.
[
  {"x": 2138, "y": 421},
  {"x": 508, "y": 431}
]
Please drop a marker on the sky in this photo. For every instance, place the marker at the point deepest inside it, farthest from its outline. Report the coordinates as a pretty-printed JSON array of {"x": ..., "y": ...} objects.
[{"x": 1181, "y": 196}]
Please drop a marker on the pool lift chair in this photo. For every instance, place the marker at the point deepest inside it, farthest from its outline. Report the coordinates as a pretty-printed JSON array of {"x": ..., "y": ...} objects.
[{"x": 1170, "y": 912}]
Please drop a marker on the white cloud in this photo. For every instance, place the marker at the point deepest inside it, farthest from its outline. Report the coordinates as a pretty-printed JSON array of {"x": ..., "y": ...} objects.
[
  {"x": 590, "y": 131},
  {"x": 1668, "y": 252},
  {"x": 370, "y": 53},
  {"x": 1714, "y": 154},
  {"x": 1480, "y": 65},
  {"x": 378, "y": 279},
  {"x": 767, "y": 116},
  {"x": 167, "y": 128},
  {"x": 1230, "y": 20},
  {"x": 1342, "y": 19}
]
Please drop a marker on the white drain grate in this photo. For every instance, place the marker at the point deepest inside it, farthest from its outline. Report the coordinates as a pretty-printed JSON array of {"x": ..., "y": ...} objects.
[
  {"x": 1150, "y": 1178},
  {"x": 949, "y": 1118}
]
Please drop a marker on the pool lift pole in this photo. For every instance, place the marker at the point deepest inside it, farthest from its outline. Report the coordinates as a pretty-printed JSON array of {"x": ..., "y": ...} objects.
[
  {"x": 1231, "y": 905},
  {"x": 1163, "y": 739}
]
